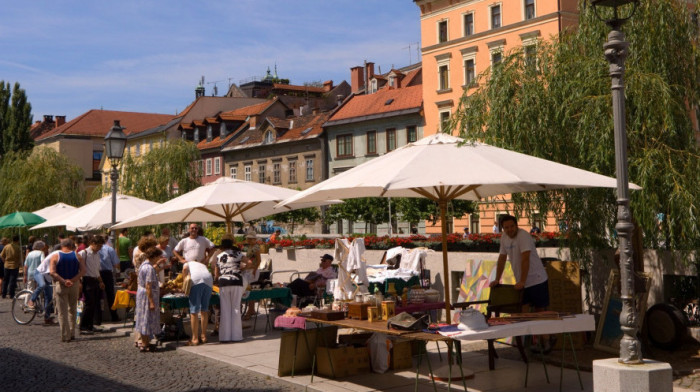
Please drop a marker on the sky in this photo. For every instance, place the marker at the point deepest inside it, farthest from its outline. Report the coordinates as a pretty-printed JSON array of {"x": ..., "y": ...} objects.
[{"x": 149, "y": 55}]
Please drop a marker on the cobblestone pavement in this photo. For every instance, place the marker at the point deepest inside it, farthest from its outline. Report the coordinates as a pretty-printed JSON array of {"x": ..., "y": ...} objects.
[{"x": 32, "y": 358}]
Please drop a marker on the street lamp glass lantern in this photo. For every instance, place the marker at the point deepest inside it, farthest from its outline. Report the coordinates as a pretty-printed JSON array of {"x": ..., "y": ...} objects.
[
  {"x": 115, "y": 141},
  {"x": 616, "y": 5}
]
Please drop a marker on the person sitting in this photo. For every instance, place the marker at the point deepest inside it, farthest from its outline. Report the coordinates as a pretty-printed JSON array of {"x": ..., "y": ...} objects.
[
  {"x": 307, "y": 287},
  {"x": 275, "y": 236}
]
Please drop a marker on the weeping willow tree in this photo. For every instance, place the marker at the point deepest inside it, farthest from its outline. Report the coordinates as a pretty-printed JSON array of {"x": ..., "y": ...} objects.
[
  {"x": 33, "y": 180},
  {"x": 162, "y": 173},
  {"x": 557, "y": 106}
]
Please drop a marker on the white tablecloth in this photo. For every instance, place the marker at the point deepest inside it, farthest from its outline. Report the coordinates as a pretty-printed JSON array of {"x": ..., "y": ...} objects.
[{"x": 578, "y": 323}]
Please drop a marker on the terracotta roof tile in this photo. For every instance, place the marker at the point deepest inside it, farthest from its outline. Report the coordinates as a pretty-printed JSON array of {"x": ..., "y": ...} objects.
[
  {"x": 99, "y": 122},
  {"x": 204, "y": 107},
  {"x": 371, "y": 104}
]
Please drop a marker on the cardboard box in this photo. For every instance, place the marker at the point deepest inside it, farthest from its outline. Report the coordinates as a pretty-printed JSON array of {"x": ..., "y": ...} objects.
[
  {"x": 346, "y": 361},
  {"x": 354, "y": 339},
  {"x": 358, "y": 311},
  {"x": 400, "y": 356}
]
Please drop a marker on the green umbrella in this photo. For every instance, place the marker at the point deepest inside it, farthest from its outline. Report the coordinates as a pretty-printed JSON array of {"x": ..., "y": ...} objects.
[{"x": 20, "y": 219}]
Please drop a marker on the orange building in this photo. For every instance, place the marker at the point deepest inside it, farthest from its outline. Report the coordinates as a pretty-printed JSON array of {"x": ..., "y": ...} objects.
[{"x": 462, "y": 38}]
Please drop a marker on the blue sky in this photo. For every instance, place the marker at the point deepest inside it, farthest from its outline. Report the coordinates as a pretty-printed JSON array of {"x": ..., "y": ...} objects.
[{"x": 148, "y": 56}]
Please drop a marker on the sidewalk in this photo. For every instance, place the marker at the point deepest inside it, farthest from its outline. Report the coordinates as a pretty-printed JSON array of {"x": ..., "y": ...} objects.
[{"x": 259, "y": 353}]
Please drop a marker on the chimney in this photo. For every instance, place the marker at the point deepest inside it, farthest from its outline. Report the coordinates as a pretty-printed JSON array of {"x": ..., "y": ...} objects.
[
  {"x": 357, "y": 78},
  {"x": 48, "y": 118},
  {"x": 369, "y": 70},
  {"x": 327, "y": 85},
  {"x": 60, "y": 120}
]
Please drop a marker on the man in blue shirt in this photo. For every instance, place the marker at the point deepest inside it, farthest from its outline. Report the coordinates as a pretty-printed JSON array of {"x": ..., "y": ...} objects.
[{"x": 108, "y": 262}]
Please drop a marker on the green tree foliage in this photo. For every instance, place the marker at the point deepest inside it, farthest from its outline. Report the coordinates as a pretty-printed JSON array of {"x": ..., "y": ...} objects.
[
  {"x": 559, "y": 108},
  {"x": 295, "y": 217},
  {"x": 15, "y": 119},
  {"x": 157, "y": 174},
  {"x": 414, "y": 210},
  {"x": 370, "y": 210},
  {"x": 31, "y": 181}
]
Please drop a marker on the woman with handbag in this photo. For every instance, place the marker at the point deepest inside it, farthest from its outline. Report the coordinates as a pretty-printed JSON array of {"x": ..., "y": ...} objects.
[
  {"x": 199, "y": 295},
  {"x": 146, "y": 313},
  {"x": 228, "y": 273}
]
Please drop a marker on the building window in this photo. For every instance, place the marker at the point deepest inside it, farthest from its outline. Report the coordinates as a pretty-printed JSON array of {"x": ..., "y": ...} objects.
[
  {"x": 276, "y": 173},
  {"x": 371, "y": 142},
  {"x": 442, "y": 31},
  {"x": 222, "y": 129},
  {"x": 530, "y": 54},
  {"x": 495, "y": 16},
  {"x": 529, "y": 9},
  {"x": 469, "y": 72},
  {"x": 392, "y": 81},
  {"x": 200, "y": 167},
  {"x": 411, "y": 134},
  {"x": 474, "y": 224},
  {"x": 248, "y": 175},
  {"x": 233, "y": 172},
  {"x": 293, "y": 172},
  {"x": 444, "y": 77},
  {"x": 373, "y": 86},
  {"x": 309, "y": 170},
  {"x": 210, "y": 133},
  {"x": 344, "y": 145},
  {"x": 96, "y": 159},
  {"x": 217, "y": 165},
  {"x": 444, "y": 121},
  {"x": 208, "y": 166},
  {"x": 261, "y": 173},
  {"x": 496, "y": 57},
  {"x": 390, "y": 139},
  {"x": 269, "y": 137},
  {"x": 468, "y": 24}
]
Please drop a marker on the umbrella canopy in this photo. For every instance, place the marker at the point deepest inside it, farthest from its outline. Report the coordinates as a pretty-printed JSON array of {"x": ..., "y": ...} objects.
[
  {"x": 20, "y": 219},
  {"x": 226, "y": 199},
  {"x": 54, "y": 211},
  {"x": 442, "y": 168},
  {"x": 98, "y": 214}
]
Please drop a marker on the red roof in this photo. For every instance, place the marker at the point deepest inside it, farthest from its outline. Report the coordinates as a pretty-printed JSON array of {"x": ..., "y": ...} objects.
[
  {"x": 383, "y": 101},
  {"x": 292, "y": 87},
  {"x": 246, "y": 111},
  {"x": 96, "y": 123}
]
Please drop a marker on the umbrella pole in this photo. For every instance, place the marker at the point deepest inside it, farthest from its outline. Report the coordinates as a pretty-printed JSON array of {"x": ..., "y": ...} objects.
[{"x": 446, "y": 272}]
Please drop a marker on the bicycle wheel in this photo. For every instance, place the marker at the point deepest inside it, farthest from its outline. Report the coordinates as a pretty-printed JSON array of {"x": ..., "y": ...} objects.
[{"x": 20, "y": 310}]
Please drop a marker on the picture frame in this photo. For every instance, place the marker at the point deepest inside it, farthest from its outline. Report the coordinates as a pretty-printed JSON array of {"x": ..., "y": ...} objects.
[{"x": 608, "y": 334}]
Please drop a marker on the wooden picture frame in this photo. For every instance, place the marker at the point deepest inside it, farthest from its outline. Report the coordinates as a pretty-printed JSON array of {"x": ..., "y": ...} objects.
[{"x": 608, "y": 334}]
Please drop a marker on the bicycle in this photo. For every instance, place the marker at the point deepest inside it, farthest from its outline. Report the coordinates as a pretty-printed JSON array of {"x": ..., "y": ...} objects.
[{"x": 22, "y": 312}]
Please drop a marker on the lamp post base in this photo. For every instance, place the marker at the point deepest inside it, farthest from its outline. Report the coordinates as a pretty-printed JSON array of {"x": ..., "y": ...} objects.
[{"x": 610, "y": 375}]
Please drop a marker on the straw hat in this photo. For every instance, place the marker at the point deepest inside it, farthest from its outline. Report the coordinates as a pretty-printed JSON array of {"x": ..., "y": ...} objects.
[{"x": 251, "y": 234}]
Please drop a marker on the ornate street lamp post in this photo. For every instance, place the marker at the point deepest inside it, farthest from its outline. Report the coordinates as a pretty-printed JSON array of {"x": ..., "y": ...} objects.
[
  {"x": 115, "y": 141},
  {"x": 615, "y": 53}
]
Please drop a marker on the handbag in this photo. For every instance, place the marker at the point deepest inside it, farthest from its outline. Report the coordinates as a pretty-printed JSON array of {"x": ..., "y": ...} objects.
[
  {"x": 405, "y": 322},
  {"x": 187, "y": 285}
]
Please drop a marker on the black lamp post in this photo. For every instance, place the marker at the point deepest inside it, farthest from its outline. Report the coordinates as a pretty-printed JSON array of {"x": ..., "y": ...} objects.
[
  {"x": 616, "y": 53},
  {"x": 115, "y": 141}
]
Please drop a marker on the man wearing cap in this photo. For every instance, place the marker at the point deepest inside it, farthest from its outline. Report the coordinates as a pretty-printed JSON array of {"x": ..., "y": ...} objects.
[
  {"x": 194, "y": 247},
  {"x": 307, "y": 287}
]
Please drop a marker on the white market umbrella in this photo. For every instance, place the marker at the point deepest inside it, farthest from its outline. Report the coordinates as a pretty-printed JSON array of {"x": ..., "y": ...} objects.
[
  {"x": 54, "y": 211},
  {"x": 98, "y": 214},
  {"x": 438, "y": 168},
  {"x": 226, "y": 199}
]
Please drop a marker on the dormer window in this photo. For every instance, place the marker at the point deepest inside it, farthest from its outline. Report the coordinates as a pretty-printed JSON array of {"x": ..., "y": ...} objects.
[
  {"x": 209, "y": 133},
  {"x": 392, "y": 81},
  {"x": 269, "y": 137},
  {"x": 373, "y": 86},
  {"x": 222, "y": 129}
]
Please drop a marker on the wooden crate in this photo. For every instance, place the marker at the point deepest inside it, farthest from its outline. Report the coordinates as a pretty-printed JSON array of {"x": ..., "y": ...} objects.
[
  {"x": 346, "y": 361},
  {"x": 358, "y": 310},
  {"x": 400, "y": 356}
]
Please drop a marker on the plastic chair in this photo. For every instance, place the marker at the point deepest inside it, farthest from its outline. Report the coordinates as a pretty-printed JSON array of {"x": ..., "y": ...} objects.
[{"x": 503, "y": 298}]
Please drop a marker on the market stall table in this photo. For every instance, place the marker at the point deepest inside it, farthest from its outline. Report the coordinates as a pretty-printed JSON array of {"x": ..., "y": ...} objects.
[
  {"x": 381, "y": 327},
  {"x": 564, "y": 326}
]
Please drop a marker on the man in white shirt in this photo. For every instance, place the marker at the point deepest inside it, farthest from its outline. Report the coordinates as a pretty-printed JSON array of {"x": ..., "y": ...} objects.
[
  {"x": 531, "y": 277},
  {"x": 92, "y": 284},
  {"x": 194, "y": 247}
]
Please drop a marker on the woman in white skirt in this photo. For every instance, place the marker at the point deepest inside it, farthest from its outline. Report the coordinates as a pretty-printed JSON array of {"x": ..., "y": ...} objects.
[{"x": 228, "y": 271}]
